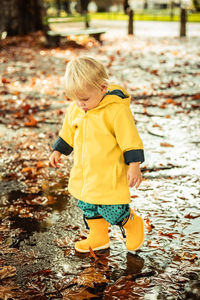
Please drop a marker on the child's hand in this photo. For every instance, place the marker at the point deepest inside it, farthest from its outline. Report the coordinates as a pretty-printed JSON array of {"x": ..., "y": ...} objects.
[
  {"x": 55, "y": 159},
  {"x": 134, "y": 175}
]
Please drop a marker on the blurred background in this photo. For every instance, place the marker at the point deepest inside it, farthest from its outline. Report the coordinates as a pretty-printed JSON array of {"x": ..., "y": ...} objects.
[{"x": 21, "y": 17}]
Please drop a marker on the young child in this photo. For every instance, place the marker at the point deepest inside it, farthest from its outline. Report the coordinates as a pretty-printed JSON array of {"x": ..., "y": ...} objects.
[{"x": 100, "y": 128}]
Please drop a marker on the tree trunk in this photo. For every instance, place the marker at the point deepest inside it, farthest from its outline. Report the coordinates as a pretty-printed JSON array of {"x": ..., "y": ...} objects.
[
  {"x": 130, "y": 22},
  {"x": 58, "y": 7},
  {"x": 84, "y": 6},
  {"x": 183, "y": 20},
  {"x": 19, "y": 17},
  {"x": 126, "y": 6}
]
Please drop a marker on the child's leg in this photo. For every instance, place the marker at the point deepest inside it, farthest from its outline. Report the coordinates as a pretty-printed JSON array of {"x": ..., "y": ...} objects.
[
  {"x": 114, "y": 214},
  {"x": 123, "y": 216},
  {"x": 98, "y": 236},
  {"x": 89, "y": 210}
]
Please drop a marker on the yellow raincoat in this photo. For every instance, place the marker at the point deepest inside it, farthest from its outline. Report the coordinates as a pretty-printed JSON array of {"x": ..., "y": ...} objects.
[{"x": 100, "y": 137}]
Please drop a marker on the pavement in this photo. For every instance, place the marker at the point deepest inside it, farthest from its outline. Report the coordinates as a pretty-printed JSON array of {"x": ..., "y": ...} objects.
[{"x": 141, "y": 28}]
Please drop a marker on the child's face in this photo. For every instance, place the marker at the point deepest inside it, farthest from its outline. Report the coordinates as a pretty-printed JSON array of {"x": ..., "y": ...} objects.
[{"x": 91, "y": 98}]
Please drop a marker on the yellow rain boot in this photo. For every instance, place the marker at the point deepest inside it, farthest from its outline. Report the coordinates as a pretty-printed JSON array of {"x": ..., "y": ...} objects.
[
  {"x": 98, "y": 236},
  {"x": 134, "y": 228}
]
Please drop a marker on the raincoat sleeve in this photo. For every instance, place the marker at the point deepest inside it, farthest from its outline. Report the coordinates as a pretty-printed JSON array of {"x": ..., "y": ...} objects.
[
  {"x": 64, "y": 144},
  {"x": 127, "y": 136}
]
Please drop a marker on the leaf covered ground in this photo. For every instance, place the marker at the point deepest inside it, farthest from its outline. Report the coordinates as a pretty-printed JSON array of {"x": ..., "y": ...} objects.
[{"x": 40, "y": 221}]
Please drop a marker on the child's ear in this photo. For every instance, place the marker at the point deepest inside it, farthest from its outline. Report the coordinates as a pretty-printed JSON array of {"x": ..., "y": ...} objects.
[{"x": 104, "y": 88}]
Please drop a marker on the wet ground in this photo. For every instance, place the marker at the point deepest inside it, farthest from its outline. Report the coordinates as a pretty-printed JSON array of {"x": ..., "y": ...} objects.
[{"x": 39, "y": 219}]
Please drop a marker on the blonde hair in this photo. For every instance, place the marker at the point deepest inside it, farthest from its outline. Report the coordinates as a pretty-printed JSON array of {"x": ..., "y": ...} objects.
[{"x": 83, "y": 73}]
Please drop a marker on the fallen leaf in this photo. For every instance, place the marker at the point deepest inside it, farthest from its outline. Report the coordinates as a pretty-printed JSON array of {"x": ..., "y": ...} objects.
[
  {"x": 166, "y": 145},
  {"x": 90, "y": 276},
  {"x": 6, "y": 292},
  {"x": 77, "y": 294},
  {"x": 170, "y": 235},
  {"x": 92, "y": 254},
  {"x": 5, "y": 80},
  {"x": 189, "y": 216},
  {"x": 32, "y": 122},
  {"x": 170, "y": 101},
  {"x": 7, "y": 271},
  {"x": 62, "y": 243},
  {"x": 149, "y": 226},
  {"x": 27, "y": 170},
  {"x": 40, "y": 164},
  {"x": 185, "y": 256},
  {"x": 196, "y": 97}
]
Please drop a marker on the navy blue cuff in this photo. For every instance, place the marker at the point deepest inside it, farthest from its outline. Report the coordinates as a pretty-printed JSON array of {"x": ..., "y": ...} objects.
[
  {"x": 134, "y": 156},
  {"x": 63, "y": 147}
]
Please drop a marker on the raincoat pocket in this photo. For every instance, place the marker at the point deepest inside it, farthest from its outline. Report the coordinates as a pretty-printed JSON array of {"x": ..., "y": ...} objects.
[{"x": 119, "y": 176}]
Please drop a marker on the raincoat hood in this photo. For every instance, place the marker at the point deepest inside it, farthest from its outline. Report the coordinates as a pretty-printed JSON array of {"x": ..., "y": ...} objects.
[{"x": 110, "y": 97}]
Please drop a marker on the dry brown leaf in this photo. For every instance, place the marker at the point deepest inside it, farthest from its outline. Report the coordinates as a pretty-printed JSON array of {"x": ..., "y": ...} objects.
[
  {"x": 77, "y": 294},
  {"x": 166, "y": 145},
  {"x": 5, "y": 80},
  {"x": 62, "y": 243},
  {"x": 90, "y": 276},
  {"x": 6, "y": 292},
  {"x": 92, "y": 254},
  {"x": 7, "y": 271},
  {"x": 149, "y": 226},
  {"x": 189, "y": 216},
  {"x": 170, "y": 234}
]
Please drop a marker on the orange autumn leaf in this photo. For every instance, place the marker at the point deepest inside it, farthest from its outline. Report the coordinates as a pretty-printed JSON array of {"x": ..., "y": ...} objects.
[
  {"x": 51, "y": 199},
  {"x": 193, "y": 257},
  {"x": 40, "y": 164},
  {"x": 33, "y": 82},
  {"x": 166, "y": 145},
  {"x": 154, "y": 72},
  {"x": 187, "y": 256},
  {"x": 27, "y": 170},
  {"x": 32, "y": 122},
  {"x": 170, "y": 101},
  {"x": 156, "y": 125},
  {"x": 4, "y": 80},
  {"x": 50, "y": 92},
  {"x": 149, "y": 226},
  {"x": 26, "y": 108},
  {"x": 18, "y": 115},
  {"x": 16, "y": 93},
  {"x": 163, "y": 106},
  {"x": 196, "y": 97},
  {"x": 112, "y": 58},
  {"x": 170, "y": 235},
  {"x": 92, "y": 254}
]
